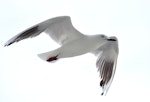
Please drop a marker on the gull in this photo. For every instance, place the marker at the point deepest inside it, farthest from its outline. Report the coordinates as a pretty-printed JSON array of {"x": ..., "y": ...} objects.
[{"x": 74, "y": 43}]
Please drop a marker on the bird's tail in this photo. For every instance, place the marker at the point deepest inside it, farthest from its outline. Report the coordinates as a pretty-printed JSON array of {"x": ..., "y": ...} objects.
[{"x": 50, "y": 56}]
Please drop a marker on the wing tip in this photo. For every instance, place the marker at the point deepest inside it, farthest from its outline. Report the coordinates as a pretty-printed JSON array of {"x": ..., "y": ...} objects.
[
  {"x": 10, "y": 41},
  {"x": 23, "y": 35},
  {"x": 8, "y": 44}
]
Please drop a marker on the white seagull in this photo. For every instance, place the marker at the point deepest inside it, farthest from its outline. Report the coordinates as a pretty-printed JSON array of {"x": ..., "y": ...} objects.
[{"x": 73, "y": 43}]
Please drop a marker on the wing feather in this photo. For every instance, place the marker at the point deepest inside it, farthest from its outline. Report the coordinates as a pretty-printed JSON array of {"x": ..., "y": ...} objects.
[
  {"x": 60, "y": 29},
  {"x": 106, "y": 64}
]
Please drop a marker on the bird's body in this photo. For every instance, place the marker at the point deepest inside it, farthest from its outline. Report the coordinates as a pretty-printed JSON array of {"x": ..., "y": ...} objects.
[
  {"x": 73, "y": 43},
  {"x": 77, "y": 47}
]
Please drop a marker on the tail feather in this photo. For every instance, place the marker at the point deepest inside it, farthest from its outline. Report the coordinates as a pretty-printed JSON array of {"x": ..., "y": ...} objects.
[
  {"x": 44, "y": 56},
  {"x": 47, "y": 55}
]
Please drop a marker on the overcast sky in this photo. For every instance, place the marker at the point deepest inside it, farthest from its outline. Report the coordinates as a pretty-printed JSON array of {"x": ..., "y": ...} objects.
[{"x": 26, "y": 78}]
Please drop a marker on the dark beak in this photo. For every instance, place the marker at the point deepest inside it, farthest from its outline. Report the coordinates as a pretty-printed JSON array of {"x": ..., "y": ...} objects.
[{"x": 111, "y": 39}]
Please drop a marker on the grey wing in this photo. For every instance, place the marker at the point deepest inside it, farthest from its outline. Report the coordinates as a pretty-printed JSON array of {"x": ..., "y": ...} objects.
[
  {"x": 60, "y": 29},
  {"x": 106, "y": 64}
]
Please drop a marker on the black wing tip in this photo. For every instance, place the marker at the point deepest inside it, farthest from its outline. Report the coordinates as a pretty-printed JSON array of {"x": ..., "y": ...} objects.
[
  {"x": 101, "y": 83},
  {"x": 23, "y": 35},
  {"x": 8, "y": 44}
]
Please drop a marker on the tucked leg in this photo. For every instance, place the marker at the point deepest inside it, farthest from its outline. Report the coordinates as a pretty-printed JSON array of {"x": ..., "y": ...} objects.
[{"x": 52, "y": 58}]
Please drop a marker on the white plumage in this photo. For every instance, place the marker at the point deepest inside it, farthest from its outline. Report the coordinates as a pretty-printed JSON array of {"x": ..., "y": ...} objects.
[{"x": 73, "y": 43}]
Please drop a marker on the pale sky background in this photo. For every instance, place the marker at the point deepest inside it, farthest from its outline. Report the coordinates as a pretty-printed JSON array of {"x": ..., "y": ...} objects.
[{"x": 26, "y": 78}]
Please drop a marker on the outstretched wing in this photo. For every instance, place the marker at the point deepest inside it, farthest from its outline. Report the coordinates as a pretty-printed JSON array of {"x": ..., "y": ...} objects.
[
  {"x": 60, "y": 29},
  {"x": 106, "y": 64}
]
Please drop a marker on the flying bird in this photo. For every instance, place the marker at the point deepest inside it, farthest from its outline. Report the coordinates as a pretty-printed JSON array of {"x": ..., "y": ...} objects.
[{"x": 74, "y": 43}]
